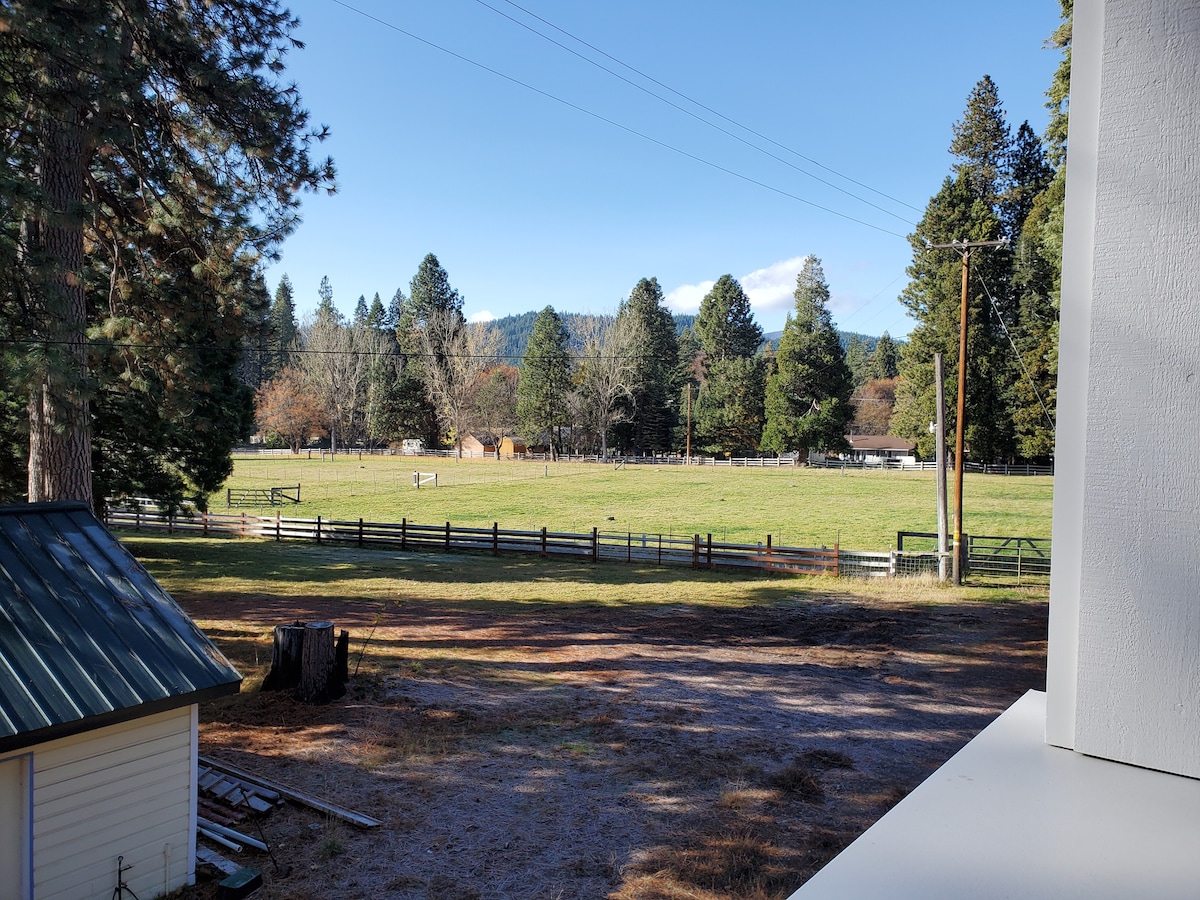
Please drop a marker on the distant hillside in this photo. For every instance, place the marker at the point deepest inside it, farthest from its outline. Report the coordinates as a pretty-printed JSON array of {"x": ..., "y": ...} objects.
[
  {"x": 844, "y": 336},
  {"x": 515, "y": 330}
]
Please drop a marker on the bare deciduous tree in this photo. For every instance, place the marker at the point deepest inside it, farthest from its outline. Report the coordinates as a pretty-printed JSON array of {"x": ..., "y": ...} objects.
[
  {"x": 606, "y": 373},
  {"x": 457, "y": 354}
]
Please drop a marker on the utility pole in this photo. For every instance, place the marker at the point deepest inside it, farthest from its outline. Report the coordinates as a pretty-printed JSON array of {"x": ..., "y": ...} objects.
[
  {"x": 688, "y": 452},
  {"x": 965, "y": 248},
  {"x": 940, "y": 456}
]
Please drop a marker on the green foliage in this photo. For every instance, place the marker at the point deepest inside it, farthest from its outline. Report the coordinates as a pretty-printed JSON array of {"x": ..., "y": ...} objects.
[
  {"x": 729, "y": 411},
  {"x": 858, "y": 358},
  {"x": 652, "y": 412},
  {"x": 160, "y": 151},
  {"x": 885, "y": 359},
  {"x": 430, "y": 291},
  {"x": 933, "y": 297},
  {"x": 544, "y": 382},
  {"x": 283, "y": 328},
  {"x": 1060, "y": 88},
  {"x": 725, "y": 326},
  {"x": 981, "y": 142},
  {"x": 808, "y": 397}
]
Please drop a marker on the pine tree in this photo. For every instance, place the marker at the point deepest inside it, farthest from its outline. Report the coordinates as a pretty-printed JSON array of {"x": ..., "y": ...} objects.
[
  {"x": 652, "y": 412},
  {"x": 430, "y": 290},
  {"x": 729, "y": 410},
  {"x": 857, "y": 358},
  {"x": 377, "y": 316},
  {"x": 808, "y": 397},
  {"x": 885, "y": 359},
  {"x": 725, "y": 325},
  {"x": 326, "y": 311},
  {"x": 981, "y": 143},
  {"x": 933, "y": 298},
  {"x": 545, "y": 381},
  {"x": 283, "y": 327},
  {"x": 151, "y": 142},
  {"x": 361, "y": 311}
]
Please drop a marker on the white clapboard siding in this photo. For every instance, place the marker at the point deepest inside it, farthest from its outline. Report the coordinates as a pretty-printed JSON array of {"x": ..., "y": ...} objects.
[{"x": 124, "y": 790}]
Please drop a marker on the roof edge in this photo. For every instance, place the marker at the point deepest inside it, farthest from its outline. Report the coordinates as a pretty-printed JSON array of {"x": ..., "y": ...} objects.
[{"x": 27, "y": 739}]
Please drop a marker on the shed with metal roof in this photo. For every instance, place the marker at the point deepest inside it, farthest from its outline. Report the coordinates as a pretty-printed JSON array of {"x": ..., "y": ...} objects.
[{"x": 100, "y": 676}]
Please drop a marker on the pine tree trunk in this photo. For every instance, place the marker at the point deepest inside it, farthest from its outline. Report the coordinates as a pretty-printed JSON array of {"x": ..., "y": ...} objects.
[{"x": 60, "y": 434}]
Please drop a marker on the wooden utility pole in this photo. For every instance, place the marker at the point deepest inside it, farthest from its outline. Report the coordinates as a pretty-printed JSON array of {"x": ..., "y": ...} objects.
[
  {"x": 688, "y": 451},
  {"x": 965, "y": 248},
  {"x": 940, "y": 455}
]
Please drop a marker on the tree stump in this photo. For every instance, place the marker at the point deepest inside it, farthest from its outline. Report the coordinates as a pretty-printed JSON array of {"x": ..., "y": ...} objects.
[
  {"x": 285, "y": 658},
  {"x": 305, "y": 658},
  {"x": 317, "y": 663}
]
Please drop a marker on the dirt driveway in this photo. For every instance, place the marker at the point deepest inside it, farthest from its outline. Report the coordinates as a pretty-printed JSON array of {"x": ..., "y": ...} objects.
[{"x": 604, "y": 752}]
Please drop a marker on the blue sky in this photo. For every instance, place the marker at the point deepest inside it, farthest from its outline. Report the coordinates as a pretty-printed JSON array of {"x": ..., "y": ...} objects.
[{"x": 528, "y": 201}]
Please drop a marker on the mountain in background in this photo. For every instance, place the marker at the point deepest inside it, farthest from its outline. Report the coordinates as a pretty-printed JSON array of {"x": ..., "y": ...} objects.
[{"x": 515, "y": 330}]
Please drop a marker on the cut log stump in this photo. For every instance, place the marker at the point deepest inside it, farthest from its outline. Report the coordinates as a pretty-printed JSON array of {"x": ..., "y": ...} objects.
[{"x": 306, "y": 659}]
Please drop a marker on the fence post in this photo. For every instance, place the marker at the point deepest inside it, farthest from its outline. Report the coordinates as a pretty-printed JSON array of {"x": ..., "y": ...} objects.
[
  {"x": 228, "y": 497},
  {"x": 318, "y": 522},
  {"x": 447, "y": 535},
  {"x": 404, "y": 533},
  {"x": 708, "y": 559},
  {"x": 837, "y": 557},
  {"x": 204, "y": 526},
  {"x": 360, "y": 521},
  {"x": 595, "y": 544},
  {"x": 660, "y": 548},
  {"x": 278, "y": 521},
  {"x": 495, "y": 538},
  {"x": 543, "y": 540},
  {"x": 695, "y": 551},
  {"x": 629, "y": 546},
  {"x": 769, "y": 567}
]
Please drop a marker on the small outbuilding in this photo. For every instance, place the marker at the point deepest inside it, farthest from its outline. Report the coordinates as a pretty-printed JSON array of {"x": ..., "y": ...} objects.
[
  {"x": 100, "y": 676},
  {"x": 511, "y": 446}
]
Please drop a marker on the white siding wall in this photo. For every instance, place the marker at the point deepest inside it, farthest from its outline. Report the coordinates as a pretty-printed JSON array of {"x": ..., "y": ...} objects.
[
  {"x": 126, "y": 790},
  {"x": 1125, "y": 624}
]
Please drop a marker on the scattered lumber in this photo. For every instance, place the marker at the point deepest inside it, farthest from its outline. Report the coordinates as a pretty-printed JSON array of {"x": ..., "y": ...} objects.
[
  {"x": 255, "y": 782},
  {"x": 217, "y": 861},
  {"x": 230, "y": 833}
]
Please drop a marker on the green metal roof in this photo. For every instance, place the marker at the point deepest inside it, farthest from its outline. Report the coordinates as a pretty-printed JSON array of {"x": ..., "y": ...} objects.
[{"x": 87, "y": 637}]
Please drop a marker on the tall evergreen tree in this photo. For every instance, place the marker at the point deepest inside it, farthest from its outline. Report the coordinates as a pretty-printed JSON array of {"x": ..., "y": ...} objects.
[
  {"x": 725, "y": 325},
  {"x": 729, "y": 410},
  {"x": 652, "y": 410},
  {"x": 430, "y": 290},
  {"x": 981, "y": 143},
  {"x": 361, "y": 311},
  {"x": 933, "y": 298},
  {"x": 325, "y": 309},
  {"x": 150, "y": 141},
  {"x": 808, "y": 397},
  {"x": 885, "y": 359},
  {"x": 283, "y": 327},
  {"x": 545, "y": 381},
  {"x": 858, "y": 358}
]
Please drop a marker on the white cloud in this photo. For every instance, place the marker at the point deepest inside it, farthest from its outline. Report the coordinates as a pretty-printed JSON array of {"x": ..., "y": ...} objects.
[
  {"x": 686, "y": 298},
  {"x": 770, "y": 288},
  {"x": 482, "y": 316}
]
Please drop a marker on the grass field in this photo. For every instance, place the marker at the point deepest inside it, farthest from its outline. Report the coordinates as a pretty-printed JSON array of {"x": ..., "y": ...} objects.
[{"x": 861, "y": 510}]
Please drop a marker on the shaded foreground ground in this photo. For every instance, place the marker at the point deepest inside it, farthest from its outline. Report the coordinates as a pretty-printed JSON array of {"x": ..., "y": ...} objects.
[{"x": 609, "y": 752}]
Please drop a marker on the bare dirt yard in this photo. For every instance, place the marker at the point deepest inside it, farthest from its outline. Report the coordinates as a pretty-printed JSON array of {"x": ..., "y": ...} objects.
[{"x": 633, "y": 753}]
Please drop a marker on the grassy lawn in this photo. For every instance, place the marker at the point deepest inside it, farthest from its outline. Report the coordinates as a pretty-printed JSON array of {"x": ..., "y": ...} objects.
[
  {"x": 862, "y": 510},
  {"x": 287, "y": 575}
]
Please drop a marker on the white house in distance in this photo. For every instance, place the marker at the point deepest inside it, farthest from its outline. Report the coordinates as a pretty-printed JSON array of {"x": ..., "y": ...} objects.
[
  {"x": 875, "y": 448},
  {"x": 1092, "y": 789},
  {"x": 100, "y": 677}
]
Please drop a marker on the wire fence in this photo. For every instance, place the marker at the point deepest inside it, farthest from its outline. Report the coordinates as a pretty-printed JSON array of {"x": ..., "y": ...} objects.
[{"x": 1001, "y": 558}]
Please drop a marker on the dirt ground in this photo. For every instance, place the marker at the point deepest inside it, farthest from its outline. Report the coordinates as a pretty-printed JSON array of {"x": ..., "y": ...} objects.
[{"x": 598, "y": 752}]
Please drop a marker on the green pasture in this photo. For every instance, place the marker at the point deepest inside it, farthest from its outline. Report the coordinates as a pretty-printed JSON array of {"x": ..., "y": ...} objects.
[
  {"x": 804, "y": 507},
  {"x": 289, "y": 577}
]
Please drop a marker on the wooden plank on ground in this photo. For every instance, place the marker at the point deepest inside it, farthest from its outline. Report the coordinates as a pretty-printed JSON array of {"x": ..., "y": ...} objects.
[{"x": 295, "y": 796}]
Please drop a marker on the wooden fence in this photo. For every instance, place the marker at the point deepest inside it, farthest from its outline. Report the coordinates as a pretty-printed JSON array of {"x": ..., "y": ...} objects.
[{"x": 697, "y": 551}]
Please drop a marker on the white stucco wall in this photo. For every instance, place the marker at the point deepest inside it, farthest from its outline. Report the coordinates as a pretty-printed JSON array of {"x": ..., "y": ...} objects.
[{"x": 1124, "y": 679}]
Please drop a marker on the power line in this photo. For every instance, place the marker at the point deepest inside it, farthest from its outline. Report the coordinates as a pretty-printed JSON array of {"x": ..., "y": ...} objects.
[
  {"x": 614, "y": 123},
  {"x": 720, "y": 115},
  {"x": 688, "y": 112},
  {"x": 1017, "y": 353}
]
